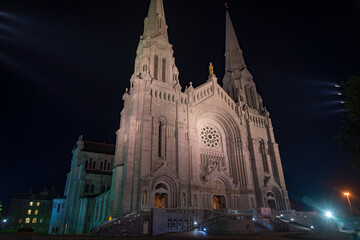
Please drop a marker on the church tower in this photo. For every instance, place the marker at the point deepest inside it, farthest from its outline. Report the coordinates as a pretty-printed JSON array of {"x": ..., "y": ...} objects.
[{"x": 268, "y": 177}]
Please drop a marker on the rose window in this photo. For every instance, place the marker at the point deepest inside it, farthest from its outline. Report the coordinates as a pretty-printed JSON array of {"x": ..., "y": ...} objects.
[{"x": 210, "y": 136}]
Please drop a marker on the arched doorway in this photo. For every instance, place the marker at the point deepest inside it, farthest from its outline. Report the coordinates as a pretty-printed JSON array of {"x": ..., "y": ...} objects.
[
  {"x": 219, "y": 202},
  {"x": 219, "y": 190},
  {"x": 161, "y": 200},
  {"x": 161, "y": 196}
]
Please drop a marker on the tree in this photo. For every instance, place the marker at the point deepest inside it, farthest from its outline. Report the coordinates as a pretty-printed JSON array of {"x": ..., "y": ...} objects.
[{"x": 349, "y": 135}]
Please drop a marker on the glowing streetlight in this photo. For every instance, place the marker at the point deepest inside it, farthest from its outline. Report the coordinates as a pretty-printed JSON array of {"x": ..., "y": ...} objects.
[
  {"x": 328, "y": 214},
  {"x": 348, "y": 198}
]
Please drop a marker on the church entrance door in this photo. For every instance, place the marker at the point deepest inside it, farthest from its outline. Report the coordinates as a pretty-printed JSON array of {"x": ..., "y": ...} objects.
[
  {"x": 219, "y": 202},
  {"x": 160, "y": 200}
]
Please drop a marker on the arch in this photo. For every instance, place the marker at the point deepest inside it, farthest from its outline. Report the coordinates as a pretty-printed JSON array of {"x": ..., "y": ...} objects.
[
  {"x": 230, "y": 131},
  {"x": 275, "y": 199},
  {"x": 165, "y": 185}
]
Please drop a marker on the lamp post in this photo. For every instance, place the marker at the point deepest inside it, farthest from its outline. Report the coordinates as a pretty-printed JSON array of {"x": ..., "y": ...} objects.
[{"x": 348, "y": 198}]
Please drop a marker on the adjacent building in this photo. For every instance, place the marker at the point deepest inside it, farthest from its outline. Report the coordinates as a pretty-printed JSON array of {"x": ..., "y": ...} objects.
[{"x": 31, "y": 209}]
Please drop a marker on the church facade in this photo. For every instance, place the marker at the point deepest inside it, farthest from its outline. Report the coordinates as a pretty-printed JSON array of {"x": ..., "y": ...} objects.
[{"x": 209, "y": 147}]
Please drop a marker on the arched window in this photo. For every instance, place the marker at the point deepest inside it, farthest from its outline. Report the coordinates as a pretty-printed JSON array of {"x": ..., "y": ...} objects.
[
  {"x": 164, "y": 70},
  {"x": 160, "y": 139},
  {"x": 195, "y": 200},
  {"x": 156, "y": 66},
  {"x": 263, "y": 155},
  {"x": 144, "y": 198},
  {"x": 180, "y": 224},
  {"x": 169, "y": 224},
  {"x": 183, "y": 199}
]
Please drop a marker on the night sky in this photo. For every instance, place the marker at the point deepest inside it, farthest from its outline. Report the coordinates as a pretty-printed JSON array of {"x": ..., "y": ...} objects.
[{"x": 64, "y": 66}]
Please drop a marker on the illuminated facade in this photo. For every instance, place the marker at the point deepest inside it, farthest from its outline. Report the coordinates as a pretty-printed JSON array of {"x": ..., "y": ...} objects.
[{"x": 206, "y": 148}]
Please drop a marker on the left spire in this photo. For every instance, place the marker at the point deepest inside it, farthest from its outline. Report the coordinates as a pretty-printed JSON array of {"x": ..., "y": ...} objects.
[{"x": 155, "y": 23}]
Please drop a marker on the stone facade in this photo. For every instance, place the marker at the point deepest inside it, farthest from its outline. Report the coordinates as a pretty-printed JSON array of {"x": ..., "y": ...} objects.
[{"x": 203, "y": 148}]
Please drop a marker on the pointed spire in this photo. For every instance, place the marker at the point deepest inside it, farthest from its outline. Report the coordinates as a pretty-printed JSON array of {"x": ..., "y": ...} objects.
[
  {"x": 233, "y": 51},
  {"x": 155, "y": 23}
]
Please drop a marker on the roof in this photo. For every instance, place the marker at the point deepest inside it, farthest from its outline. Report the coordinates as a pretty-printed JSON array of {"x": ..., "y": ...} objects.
[{"x": 97, "y": 147}]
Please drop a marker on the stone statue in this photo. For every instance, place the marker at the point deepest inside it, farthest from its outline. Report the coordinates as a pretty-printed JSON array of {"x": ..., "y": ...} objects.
[{"x": 211, "y": 69}]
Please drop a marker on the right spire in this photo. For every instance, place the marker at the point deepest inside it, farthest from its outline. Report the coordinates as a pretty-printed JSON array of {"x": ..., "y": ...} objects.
[
  {"x": 238, "y": 81},
  {"x": 233, "y": 53}
]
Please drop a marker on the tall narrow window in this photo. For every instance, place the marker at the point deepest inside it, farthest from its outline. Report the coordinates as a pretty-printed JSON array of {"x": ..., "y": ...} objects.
[
  {"x": 160, "y": 140},
  {"x": 87, "y": 188},
  {"x": 101, "y": 165},
  {"x": 105, "y": 164},
  {"x": 254, "y": 98},
  {"x": 27, "y": 220},
  {"x": 156, "y": 67},
  {"x": 164, "y": 70},
  {"x": 92, "y": 188},
  {"x": 86, "y": 164},
  {"x": 94, "y": 164},
  {"x": 263, "y": 155}
]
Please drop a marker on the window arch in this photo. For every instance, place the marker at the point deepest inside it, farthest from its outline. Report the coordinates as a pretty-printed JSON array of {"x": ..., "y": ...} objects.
[
  {"x": 160, "y": 139},
  {"x": 156, "y": 66},
  {"x": 163, "y": 77}
]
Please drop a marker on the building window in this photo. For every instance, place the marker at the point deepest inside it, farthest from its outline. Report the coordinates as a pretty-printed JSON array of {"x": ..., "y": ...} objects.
[
  {"x": 94, "y": 164},
  {"x": 156, "y": 67},
  {"x": 20, "y": 220},
  {"x": 108, "y": 166},
  {"x": 29, "y": 211},
  {"x": 90, "y": 163},
  {"x": 160, "y": 139},
  {"x": 144, "y": 199},
  {"x": 101, "y": 165},
  {"x": 92, "y": 189},
  {"x": 195, "y": 200},
  {"x": 87, "y": 188},
  {"x": 27, "y": 220},
  {"x": 164, "y": 70},
  {"x": 34, "y": 220},
  {"x": 38, "y": 204},
  {"x": 108, "y": 188},
  {"x": 53, "y": 230},
  {"x": 185, "y": 224},
  {"x": 102, "y": 188},
  {"x": 36, "y": 212},
  {"x": 183, "y": 199},
  {"x": 105, "y": 164},
  {"x": 57, "y": 230},
  {"x": 31, "y": 204},
  {"x": 86, "y": 164},
  {"x": 169, "y": 224},
  {"x": 180, "y": 224},
  {"x": 58, "y": 209}
]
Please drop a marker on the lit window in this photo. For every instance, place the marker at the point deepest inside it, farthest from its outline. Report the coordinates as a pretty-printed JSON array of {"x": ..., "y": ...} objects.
[
  {"x": 20, "y": 220},
  {"x": 27, "y": 220},
  {"x": 36, "y": 212},
  {"x": 38, "y": 204},
  {"x": 34, "y": 220},
  {"x": 29, "y": 212},
  {"x": 31, "y": 203}
]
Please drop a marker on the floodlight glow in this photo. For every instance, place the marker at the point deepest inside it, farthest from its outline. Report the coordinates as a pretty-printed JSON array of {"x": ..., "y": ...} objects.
[
  {"x": 281, "y": 215},
  {"x": 328, "y": 214},
  {"x": 5, "y": 220},
  {"x": 204, "y": 229},
  {"x": 253, "y": 219},
  {"x": 292, "y": 219},
  {"x": 312, "y": 227},
  {"x": 340, "y": 93},
  {"x": 195, "y": 223},
  {"x": 347, "y": 194}
]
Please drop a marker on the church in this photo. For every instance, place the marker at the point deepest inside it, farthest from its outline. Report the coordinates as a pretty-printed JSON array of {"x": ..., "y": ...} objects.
[{"x": 181, "y": 153}]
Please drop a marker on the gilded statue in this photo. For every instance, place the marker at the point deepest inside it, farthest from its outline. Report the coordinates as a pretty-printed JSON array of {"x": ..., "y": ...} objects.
[{"x": 211, "y": 69}]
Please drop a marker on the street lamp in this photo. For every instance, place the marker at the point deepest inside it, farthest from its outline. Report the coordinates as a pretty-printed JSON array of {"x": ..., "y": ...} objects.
[{"x": 348, "y": 198}]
